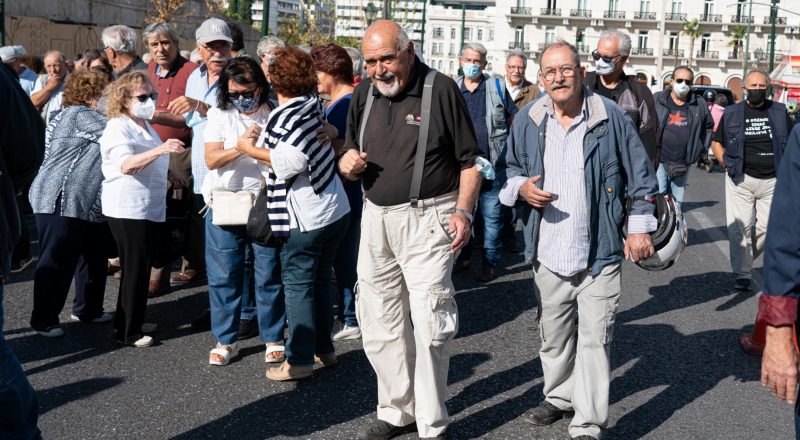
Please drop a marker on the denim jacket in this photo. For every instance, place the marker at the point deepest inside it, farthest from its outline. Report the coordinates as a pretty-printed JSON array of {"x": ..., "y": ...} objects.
[
  {"x": 616, "y": 166},
  {"x": 733, "y": 135},
  {"x": 496, "y": 114}
]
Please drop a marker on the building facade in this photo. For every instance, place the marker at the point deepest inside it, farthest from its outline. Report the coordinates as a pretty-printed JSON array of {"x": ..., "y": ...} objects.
[
  {"x": 279, "y": 11},
  {"x": 351, "y": 18}
]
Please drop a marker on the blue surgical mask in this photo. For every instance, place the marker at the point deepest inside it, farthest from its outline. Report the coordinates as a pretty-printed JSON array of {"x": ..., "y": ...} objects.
[
  {"x": 603, "y": 68},
  {"x": 471, "y": 70},
  {"x": 246, "y": 105}
]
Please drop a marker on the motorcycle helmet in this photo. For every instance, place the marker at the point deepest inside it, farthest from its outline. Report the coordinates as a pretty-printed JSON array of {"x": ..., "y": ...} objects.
[
  {"x": 710, "y": 95},
  {"x": 669, "y": 238}
]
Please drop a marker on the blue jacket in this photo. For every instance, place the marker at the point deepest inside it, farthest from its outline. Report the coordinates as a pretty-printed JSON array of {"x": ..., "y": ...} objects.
[
  {"x": 496, "y": 114},
  {"x": 778, "y": 305},
  {"x": 701, "y": 124},
  {"x": 733, "y": 136},
  {"x": 616, "y": 166}
]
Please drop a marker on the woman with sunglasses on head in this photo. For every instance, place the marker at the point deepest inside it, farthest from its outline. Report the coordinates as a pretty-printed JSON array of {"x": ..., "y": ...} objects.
[
  {"x": 134, "y": 194},
  {"x": 233, "y": 261}
]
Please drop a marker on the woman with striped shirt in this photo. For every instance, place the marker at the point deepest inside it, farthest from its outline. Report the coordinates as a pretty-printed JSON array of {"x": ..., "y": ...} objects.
[{"x": 311, "y": 212}]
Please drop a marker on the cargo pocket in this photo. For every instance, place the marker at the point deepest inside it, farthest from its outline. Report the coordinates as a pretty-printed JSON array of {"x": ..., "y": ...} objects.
[
  {"x": 444, "y": 315},
  {"x": 369, "y": 308}
]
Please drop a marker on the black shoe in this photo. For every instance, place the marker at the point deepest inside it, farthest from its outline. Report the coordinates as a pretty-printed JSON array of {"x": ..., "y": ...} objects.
[
  {"x": 546, "y": 414},
  {"x": 380, "y": 430},
  {"x": 487, "y": 274},
  {"x": 742, "y": 284},
  {"x": 460, "y": 266},
  {"x": 512, "y": 246},
  {"x": 18, "y": 266},
  {"x": 248, "y": 328},
  {"x": 203, "y": 322}
]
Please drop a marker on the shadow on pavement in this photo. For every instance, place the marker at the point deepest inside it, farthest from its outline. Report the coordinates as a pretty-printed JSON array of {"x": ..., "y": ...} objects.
[
  {"x": 688, "y": 206},
  {"x": 53, "y": 398},
  {"x": 704, "y": 236}
]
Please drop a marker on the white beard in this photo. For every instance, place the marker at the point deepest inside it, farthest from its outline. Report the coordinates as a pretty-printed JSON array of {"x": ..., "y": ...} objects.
[{"x": 388, "y": 90}]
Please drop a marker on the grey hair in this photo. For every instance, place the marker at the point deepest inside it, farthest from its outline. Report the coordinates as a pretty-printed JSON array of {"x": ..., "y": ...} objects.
[
  {"x": 267, "y": 44},
  {"x": 358, "y": 61},
  {"x": 477, "y": 47},
  {"x": 121, "y": 38},
  {"x": 517, "y": 53},
  {"x": 59, "y": 53},
  {"x": 576, "y": 57},
  {"x": 156, "y": 29},
  {"x": 623, "y": 39},
  {"x": 763, "y": 72},
  {"x": 402, "y": 39}
]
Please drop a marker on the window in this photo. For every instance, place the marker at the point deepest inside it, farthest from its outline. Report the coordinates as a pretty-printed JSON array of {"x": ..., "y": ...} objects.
[
  {"x": 642, "y": 40},
  {"x": 580, "y": 37},
  {"x": 480, "y": 34},
  {"x": 451, "y": 67},
  {"x": 551, "y": 4},
  {"x": 705, "y": 43},
  {"x": 673, "y": 41},
  {"x": 549, "y": 35},
  {"x": 438, "y": 32},
  {"x": 440, "y": 66},
  {"x": 519, "y": 34},
  {"x": 676, "y": 6},
  {"x": 613, "y": 5},
  {"x": 740, "y": 8},
  {"x": 467, "y": 34},
  {"x": 582, "y": 6},
  {"x": 453, "y": 50},
  {"x": 491, "y": 34},
  {"x": 708, "y": 9},
  {"x": 452, "y": 32},
  {"x": 644, "y": 6}
]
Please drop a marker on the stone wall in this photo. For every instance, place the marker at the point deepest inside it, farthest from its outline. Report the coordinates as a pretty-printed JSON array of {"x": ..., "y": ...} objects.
[{"x": 72, "y": 26}]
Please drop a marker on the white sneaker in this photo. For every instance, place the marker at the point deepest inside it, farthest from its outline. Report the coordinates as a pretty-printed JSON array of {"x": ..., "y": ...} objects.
[
  {"x": 347, "y": 332},
  {"x": 144, "y": 341},
  {"x": 105, "y": 317},
  {"x": 149, "y": 327},
  {"x": 51, "y": 332}
]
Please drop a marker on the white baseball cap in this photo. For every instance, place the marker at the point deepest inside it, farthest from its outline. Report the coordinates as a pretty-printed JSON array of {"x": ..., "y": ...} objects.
[
  {"x": 213, "y": 29},
  {"x": 8, "y": 54}
]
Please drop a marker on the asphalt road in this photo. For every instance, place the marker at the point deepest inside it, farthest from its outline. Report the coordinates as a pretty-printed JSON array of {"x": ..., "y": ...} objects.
[{"x": 678, "y": 372}]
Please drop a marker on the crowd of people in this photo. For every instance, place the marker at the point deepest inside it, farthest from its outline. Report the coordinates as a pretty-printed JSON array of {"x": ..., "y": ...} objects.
[{"x": 267, "y": 174}]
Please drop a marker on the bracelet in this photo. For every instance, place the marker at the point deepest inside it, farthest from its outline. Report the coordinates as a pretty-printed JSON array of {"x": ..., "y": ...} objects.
[{"x": 465, "y": 213}]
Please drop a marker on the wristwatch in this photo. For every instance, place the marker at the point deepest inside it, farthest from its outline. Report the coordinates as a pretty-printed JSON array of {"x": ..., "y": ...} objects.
[{"x": 465, "y": 213}]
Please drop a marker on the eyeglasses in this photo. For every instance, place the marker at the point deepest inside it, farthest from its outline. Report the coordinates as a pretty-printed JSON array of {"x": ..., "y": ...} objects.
[
  {"x": 596, "y": 55},
  {"x": 247, "y": 94},
  {"x": 515, "y": 67},
  {"x": 216, "y": 47},
  {"x": 566, "y": 71},
  {"x": 681, "y": 81},
  {"x": 143, "y": 98}
]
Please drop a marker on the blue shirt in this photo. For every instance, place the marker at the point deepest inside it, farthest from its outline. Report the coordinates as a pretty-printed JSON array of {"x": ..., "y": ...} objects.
[
  {"x": 197, "y": 88},
  {"x": 336, "y": 115},
  {"x": 476, "y": 105},
  {"x": 27, "y": 79}
]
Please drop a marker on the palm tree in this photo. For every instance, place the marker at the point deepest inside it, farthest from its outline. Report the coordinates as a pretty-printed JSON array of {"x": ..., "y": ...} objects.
[
  {"x": 692, "y": 30},
  {"x": 738, "y": 33}
]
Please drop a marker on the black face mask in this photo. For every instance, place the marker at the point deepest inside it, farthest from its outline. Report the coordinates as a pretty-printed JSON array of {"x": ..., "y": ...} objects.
[{"x": 757, "y": 96}]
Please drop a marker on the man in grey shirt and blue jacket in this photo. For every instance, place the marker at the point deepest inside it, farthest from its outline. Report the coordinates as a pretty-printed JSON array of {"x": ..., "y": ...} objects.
[{"x": 572, "y": 158}]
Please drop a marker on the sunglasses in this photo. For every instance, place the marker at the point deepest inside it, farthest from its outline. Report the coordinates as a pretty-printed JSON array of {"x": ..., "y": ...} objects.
[
  {"x": 596, "y": 55},
  {"x": 247, "y": 94},
  {"x": 681, "y": 81},
  {"x": 143, "y": 98}
]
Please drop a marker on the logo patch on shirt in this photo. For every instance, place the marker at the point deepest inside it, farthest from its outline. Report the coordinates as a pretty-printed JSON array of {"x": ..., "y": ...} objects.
[{"x": 413, "y": 120}]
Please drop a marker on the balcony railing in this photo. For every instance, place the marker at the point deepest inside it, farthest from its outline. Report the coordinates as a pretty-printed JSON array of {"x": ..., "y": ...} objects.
[
  {"x": 542, "y": 45},
  {"x": 778, "y": 57},
  {"x": 642, "y": 15},
  {"x": 761, "y": 56},
  {"x": 778, "y": 20},
  {"x": 614, "y": 14},
  {"x": 517, "y": 10},
  {"x": 642, "y": 51},
  {"x": 519, "y": 45},
  {"x": 587, "y": 13},
  {"x": 672, "y": 16},
  {"x": 583, "y": 49},
  {"x": 732, "y": 55},
  {"x": 741, "y": 19},
  {"x": 711, "y": 18},
  {"x": 672, "y": 53},
  {"x": 550, "y": 11},
  {"x": 708, "y": 54}
]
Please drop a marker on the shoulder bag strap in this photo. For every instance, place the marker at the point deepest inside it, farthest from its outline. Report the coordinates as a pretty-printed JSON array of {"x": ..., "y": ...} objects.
[
  {"x": 422, "y": 142},
  {"x": 364, "y": 117}
]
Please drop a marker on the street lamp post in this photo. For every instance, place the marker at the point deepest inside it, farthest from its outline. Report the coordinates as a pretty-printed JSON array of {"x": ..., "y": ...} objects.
[
  {"x": 387, "y": 9},
  {"x": 370, "y": 12},
  {"x": 265, "y": 17},
  {"x": 2, "y": 23}
]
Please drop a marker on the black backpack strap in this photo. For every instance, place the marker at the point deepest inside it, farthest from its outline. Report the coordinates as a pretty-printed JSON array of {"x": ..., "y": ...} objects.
[
  {"x": 422, "y": 142},
  {"x": 364, "y": 117}
]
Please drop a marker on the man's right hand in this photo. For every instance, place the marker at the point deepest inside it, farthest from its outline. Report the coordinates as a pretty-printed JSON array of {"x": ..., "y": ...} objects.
[
  {"x": 54, "y": 82},
  {"x": 534, "y": 195},
  {"x": 353, "y": 163},
  {"x": 779, "y": 364}
]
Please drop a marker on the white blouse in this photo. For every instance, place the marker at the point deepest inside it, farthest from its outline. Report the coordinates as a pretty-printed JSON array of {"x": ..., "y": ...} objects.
[
  {"x": 244, "y": 172},
  {"x": 140, "y": 196}
]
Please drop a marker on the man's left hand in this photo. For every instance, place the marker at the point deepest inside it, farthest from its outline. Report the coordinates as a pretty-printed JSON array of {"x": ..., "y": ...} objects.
[
  {"x": 460, "y": 227},
  {"x": 638, "y": 247}
]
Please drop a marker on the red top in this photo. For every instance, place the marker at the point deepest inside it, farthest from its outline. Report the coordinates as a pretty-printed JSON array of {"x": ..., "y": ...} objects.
[{"x": 168, "y": 88}]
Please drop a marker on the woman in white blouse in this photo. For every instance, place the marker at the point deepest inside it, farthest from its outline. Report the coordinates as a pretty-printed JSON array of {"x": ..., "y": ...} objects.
[
  {"x": 234, "y": 262},
  {"x": 134, "y": 193}
]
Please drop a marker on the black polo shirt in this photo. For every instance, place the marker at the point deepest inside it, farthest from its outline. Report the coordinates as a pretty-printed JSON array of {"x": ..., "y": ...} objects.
[{"x": 390, "y": 138}]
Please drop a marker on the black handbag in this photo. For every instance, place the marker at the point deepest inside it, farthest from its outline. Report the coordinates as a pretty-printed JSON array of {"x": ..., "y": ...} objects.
[
  {"x": 258, "y": 227},
  {"x": 676, "y": 169}
]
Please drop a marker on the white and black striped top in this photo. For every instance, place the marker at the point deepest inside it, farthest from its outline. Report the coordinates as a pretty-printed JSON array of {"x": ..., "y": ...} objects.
[{"x": 295, "y": 123}]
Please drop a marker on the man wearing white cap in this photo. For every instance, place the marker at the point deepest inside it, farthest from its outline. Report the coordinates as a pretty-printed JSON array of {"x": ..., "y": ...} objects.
[{"x": 10, "y": 56}]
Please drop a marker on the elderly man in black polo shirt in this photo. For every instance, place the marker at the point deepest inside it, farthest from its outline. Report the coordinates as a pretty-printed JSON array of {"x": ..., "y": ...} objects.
[{"x": 408, "y": 246}]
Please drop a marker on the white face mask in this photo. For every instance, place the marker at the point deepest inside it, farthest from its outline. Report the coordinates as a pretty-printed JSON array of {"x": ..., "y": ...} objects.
[
  {"x": 682, "y": 89},
  {"x": 603, "y": 68},
  {"x": 144, "y": 110}
]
